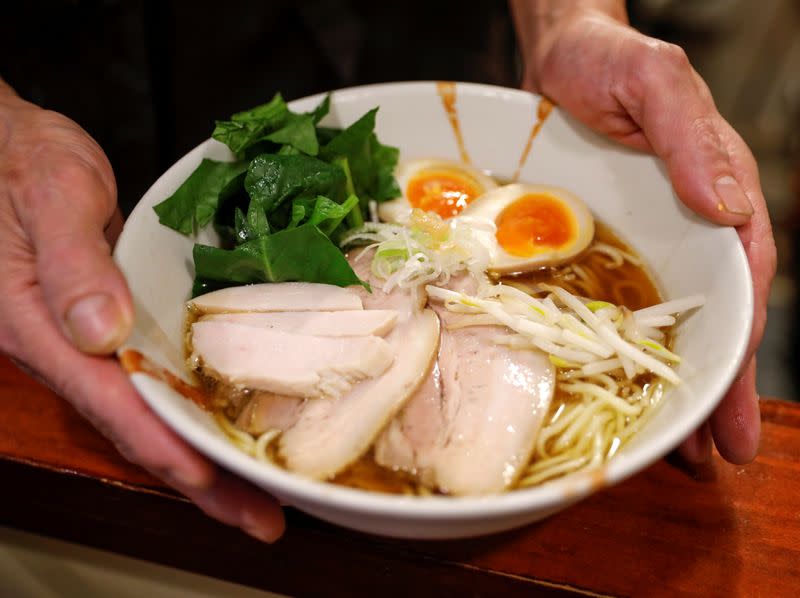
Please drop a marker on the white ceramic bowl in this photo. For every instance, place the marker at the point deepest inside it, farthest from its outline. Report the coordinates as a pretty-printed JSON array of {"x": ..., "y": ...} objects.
[{"x": 627, "y": 190}]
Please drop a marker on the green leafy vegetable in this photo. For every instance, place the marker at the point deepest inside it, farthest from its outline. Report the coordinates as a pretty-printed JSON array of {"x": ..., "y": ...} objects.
[
  {"x": 303, "y": 253},
  {"x": 354, "y": 218},
  {"x": 273, "y": 178},
  {"x": 250, "y": 226},
  {"x": 322, "y": 109},
  {"x": 298, "y": 133},
  {"x": 353, "y": 143},
  {"x": 251, "y": 126},
  {"x": 193, "y": 205},
  {"x": 385, "y": 159},
  {"x": 272, "y": 122},
  {"x": 371, "y": 163},
  {"x": 325, "y": 134},
  {"x": 295, "y": 189},
  {"x": 325, "y": 214}
]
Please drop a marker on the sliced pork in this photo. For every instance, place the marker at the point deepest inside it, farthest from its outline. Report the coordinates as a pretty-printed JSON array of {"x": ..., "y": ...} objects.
[
  {"x": 494, "y": 400},
  {"x": 267, "y": 411},
  {"x": 369, "y": 322},
  {"x": 331, "y": 434},
  {"x": 471, "y": 427},
  {"x": 406, "y": 301},
  {"x": 282, "y": 296},
  {"x": 286, "y": 363}
]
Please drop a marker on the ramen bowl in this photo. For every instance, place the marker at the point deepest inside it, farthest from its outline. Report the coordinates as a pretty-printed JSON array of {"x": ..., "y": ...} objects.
[{"x": 509, "y": 133}]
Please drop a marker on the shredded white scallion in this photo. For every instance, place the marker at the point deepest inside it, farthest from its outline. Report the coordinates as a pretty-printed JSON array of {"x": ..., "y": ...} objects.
[{"x": 595, "y": 342}]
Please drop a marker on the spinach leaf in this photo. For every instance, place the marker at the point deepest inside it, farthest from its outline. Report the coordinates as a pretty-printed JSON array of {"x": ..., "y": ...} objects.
[
  {"x": 354, "y": 144},
  {"x": 354, "y": 218},
  {"x": 385, "y": 158},
  {"x": 322, "y": 109},
  {"x": 371, "y": 163},
  {"x": 250, "y": 226},
  {"x": 194, "y": 203},
  {"x": 251, "y": 126},
  {"x": 287, "y": 150},
  {"x": 326, "y": 134},
  {"x": 241, "y": 227},
  {"x": 273, "y": 111},
  {"x": 299, "y": 133},
  {"x": 298, "y": 213},
  {"x": 304, "y": 253},
  {"x": 273, "y": 178},
  {"x": 324, "y": 213}
]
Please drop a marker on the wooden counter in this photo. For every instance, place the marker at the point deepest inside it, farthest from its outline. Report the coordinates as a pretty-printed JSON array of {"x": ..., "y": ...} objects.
[{"x": 729, "y": 531}]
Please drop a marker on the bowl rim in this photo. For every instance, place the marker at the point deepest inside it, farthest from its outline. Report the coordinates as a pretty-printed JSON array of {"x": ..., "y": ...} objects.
[{"x": 293, "y": 487}]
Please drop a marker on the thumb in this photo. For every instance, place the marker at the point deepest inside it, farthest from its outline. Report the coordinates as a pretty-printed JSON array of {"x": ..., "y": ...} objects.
[{"x": 65, "y": 215}]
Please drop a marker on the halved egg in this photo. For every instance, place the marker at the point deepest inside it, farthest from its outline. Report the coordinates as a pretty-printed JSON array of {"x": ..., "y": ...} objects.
[
  {"x": 534, "y": 226},
  {"x": 437, "y": 186}
]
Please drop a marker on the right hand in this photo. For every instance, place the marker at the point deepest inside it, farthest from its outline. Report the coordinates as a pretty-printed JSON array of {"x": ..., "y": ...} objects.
[
  {"x": 644, "y": 93},
  {"x": 65, "y": 307}
]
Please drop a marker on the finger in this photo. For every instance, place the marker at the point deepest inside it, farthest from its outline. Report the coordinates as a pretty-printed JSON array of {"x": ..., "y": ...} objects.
[
  {"x": 736, "y": 423},
  {"x": 673, "y": 106},
  {"x": 696, "y": 448},
  {"x": 114, "y": 227},
  {"x": 64, "y": 215},
  {"x": 237, "y": 503},
  {"x": 110, "y": 402},
  {"x": 102, "y": 392},
  {"x": 756, "y": 237}
]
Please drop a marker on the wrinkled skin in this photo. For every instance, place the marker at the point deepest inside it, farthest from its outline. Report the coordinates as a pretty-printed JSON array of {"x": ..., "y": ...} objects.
[
  {"x": 644, "y": 93},
  {"x": 58, "y": 219}
]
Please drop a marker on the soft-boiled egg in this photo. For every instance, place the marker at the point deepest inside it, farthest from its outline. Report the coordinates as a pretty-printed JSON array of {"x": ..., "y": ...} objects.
[
  {"x": 534, "y": 226},
  {"x": 437, "y": 186}
]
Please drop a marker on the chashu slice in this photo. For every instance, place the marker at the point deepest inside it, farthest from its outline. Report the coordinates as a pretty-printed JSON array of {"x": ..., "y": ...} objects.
[
  {"x": 286, "y": 363},
  {"x": 267, "y": 411},
  {"x": 368, "y": 322},
  {"x": 278, "y": 296},
  {"x": 405, "y": 301},
  {"x": 410, "y": 440},
  {"x": 494, "y": 401},
  {"x": 329, "y": 435},
  {"x": 472, "y": 425}
]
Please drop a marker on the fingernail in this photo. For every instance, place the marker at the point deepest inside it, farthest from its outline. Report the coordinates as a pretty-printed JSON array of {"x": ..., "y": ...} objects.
[
  {"x": 96, "y": 323},
  {"x": 254, "y": 527},
  {"x": 731, "y": 197}
]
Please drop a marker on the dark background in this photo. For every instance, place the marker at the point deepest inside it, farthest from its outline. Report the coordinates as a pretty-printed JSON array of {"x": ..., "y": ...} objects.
[{"x": 147, "y": 79}]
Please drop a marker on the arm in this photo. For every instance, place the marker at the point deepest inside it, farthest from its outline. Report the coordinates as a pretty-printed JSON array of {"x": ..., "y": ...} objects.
[
  {"x": 64, "y": 305},
  {"x": 644, "y": 93}
]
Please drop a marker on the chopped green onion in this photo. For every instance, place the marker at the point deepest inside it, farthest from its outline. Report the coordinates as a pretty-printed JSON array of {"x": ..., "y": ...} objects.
[
  {"x": 596, "y": 306},
  {"x": 562, "y": 363}
]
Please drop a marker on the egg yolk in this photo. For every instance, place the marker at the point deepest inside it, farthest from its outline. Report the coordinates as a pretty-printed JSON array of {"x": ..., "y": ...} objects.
[
  {"x": 442, "y": 192},
  {"x": 533, "y": 224}
]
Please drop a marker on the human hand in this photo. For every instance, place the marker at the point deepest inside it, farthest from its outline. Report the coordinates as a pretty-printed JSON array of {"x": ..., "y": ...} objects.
[
  {"x": 645, "y": 94},
  {"x": 64, "y": 306}
]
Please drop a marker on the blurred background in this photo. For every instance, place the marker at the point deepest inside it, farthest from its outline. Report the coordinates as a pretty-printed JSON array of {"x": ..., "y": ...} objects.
[{"x": 148, "y": 78}]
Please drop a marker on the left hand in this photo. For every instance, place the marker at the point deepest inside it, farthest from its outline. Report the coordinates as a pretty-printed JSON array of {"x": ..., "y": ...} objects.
[{"x": 645, "y": 94}]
